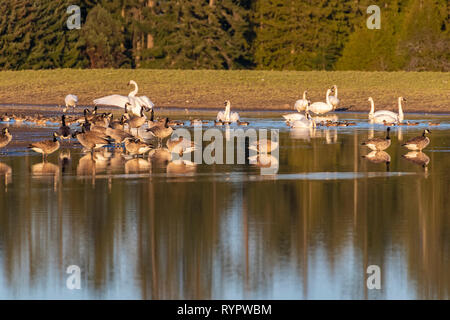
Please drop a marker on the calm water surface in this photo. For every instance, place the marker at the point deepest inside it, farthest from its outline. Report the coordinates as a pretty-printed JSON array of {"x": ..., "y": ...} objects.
[{"x": 146, "y": 230}]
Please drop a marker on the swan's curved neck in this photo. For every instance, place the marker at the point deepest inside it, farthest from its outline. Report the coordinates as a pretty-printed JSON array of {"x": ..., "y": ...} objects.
[
  {"x": 304, "y": 95},
  {"x": 135, "y": 91},
  {"x": 227, "y": 112},
  {"x": 400, "y": 109},
  {"x": 335, "y": 92},
  {"x": 372, "y": 107},
  {"x": 328, "y": 97}
]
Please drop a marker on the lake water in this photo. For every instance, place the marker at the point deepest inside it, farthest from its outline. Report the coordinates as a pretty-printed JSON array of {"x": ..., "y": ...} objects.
[{"x": 142, "y": 229}]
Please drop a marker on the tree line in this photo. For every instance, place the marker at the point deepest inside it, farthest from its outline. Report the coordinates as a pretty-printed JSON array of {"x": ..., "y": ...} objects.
[{"x": 226, "y": 34}]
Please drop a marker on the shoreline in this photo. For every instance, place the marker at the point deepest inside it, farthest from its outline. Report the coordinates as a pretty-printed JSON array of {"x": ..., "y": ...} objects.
[{"x": 36, "y": 108}]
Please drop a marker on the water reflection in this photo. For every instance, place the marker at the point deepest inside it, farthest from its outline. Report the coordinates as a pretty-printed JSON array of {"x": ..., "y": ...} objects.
[
  {"x": 221, "y": 234},
  {"x": 6, "y": 171},
  {"x": 417, "y": 157},
  {"x": 379, "y": 157}
]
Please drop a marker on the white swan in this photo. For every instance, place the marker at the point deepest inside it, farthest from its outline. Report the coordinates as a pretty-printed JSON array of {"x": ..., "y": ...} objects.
[
  {"x": 120, "y": 101},
  {"x": 302, "y": 104},
  {"x": 71, "y": 100},
  {"x": 385, "y": 116},
  {"x": 334, "y": 99},
  {"x": 322, "y": 107},
  {"x": 307, "y": 122},
  {"x": 227, "y": 115}
]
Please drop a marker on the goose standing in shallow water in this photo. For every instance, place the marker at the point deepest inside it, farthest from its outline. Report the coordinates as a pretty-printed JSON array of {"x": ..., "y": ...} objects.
[
  {"x": 378, "y": 144},
  {"x": 385, "y": 116},
  {"x": 46, "y": 147},
  {"x": 227, "y": 115},
  {"x": 64, "y": 131},
  {"x": 5, "y": 138},
  {"x": 90, "y": 140},
  {"x": 418, "y": 143},
  {"x": 136, "y": 147},
  {"x": 322, "y": 107},
  {"x": 334, "y": 99},
  {"x": 135, "y": 122},
  {"x": 302, "y": 104},
  {"x": 161, "y": 131}
]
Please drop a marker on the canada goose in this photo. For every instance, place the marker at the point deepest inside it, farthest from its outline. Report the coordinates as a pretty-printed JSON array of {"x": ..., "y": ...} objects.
[
  {"x": 243, "y": 123},
  {"x": 378, "y": 144},
  {"x": 418, "y": 143},
  {"x": 263, "y": 146},
  {"x": 334, "y": 99},
  {"x": 417, "y": 157},
  {"x": 64, "y": 131},
  {"x": 180, "y": 146},
  {"x": 384, "y": 115},
  {"x": 118, "y": 135},
  {"x": 5, "y": 138},
  {"x": 161, "y": 130},
  {"x": 134, "y": 122},
  {"x": 136, "y": 147},
  {"x": 151, "y": 122},
  {"x": 90, "y": 140},
  {"x": 71, "y": 100},
  {"x": 5, "y": 118},
  {"x": 301, "y": 104},
  {"x": 46, "y": 147},
  {"x": 227, "y": 115},
  {"x": 322, "y": 107}
]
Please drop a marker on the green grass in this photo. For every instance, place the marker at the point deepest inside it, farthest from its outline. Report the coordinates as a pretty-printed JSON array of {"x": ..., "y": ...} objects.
[{"x": 261, "y": 90}]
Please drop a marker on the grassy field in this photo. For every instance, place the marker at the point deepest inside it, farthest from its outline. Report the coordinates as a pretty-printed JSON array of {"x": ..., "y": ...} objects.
[{"x": 251, "y": 90}]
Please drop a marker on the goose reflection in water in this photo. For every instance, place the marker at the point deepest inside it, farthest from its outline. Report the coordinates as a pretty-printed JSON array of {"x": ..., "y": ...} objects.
[
  {"x": 46, "y": 171},
  {"x": 379, "y": 157},
  {"x": 137, "y": 165},
  {"x": 181, "y": 167},
  {"x": 6, "y": 171},
  {"x": 417, "y": 157}
]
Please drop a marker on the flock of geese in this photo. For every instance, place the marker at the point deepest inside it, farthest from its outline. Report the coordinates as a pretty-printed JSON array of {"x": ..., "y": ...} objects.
[{"x": 97, "y": 130}]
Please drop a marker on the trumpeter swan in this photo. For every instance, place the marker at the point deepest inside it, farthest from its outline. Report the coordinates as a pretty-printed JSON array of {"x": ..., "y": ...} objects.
[
  {"x": 382, "y": 116},
  {"x": 306, "y": 122},
  {"x": 120, "y": 101},
  {"x": 302, "y": 104},
  {"x": 71, "y": 100},
  {"x": 334, "y": 99},
  {"x": 322, "y": 107},
  {"x": 227, "y": 115}
]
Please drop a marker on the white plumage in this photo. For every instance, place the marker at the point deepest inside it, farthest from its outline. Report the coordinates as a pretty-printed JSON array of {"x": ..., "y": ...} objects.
[
  {"x": 227, "y": 115},
  {"x": 302, "y": 104},
  {"x": 322, "y": 107},
  {"x": 135, "y": 102},
  {"x": 71, "y": 100},
  {"x": 382, "y": 116},
  {"x": 334, "y": 99}
]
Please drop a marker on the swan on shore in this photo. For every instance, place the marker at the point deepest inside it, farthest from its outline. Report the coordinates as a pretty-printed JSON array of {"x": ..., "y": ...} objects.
[
  {"x": 382, "y": 116},
  {"x": 334, "y": 99},
  {"x": 135, "y": 102},
  {"x": 322, "y": 107},
  {"x": 302, "y": 104},
  {"x": 227, "y": 115},
  {"x": 71, "y": 100}
]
